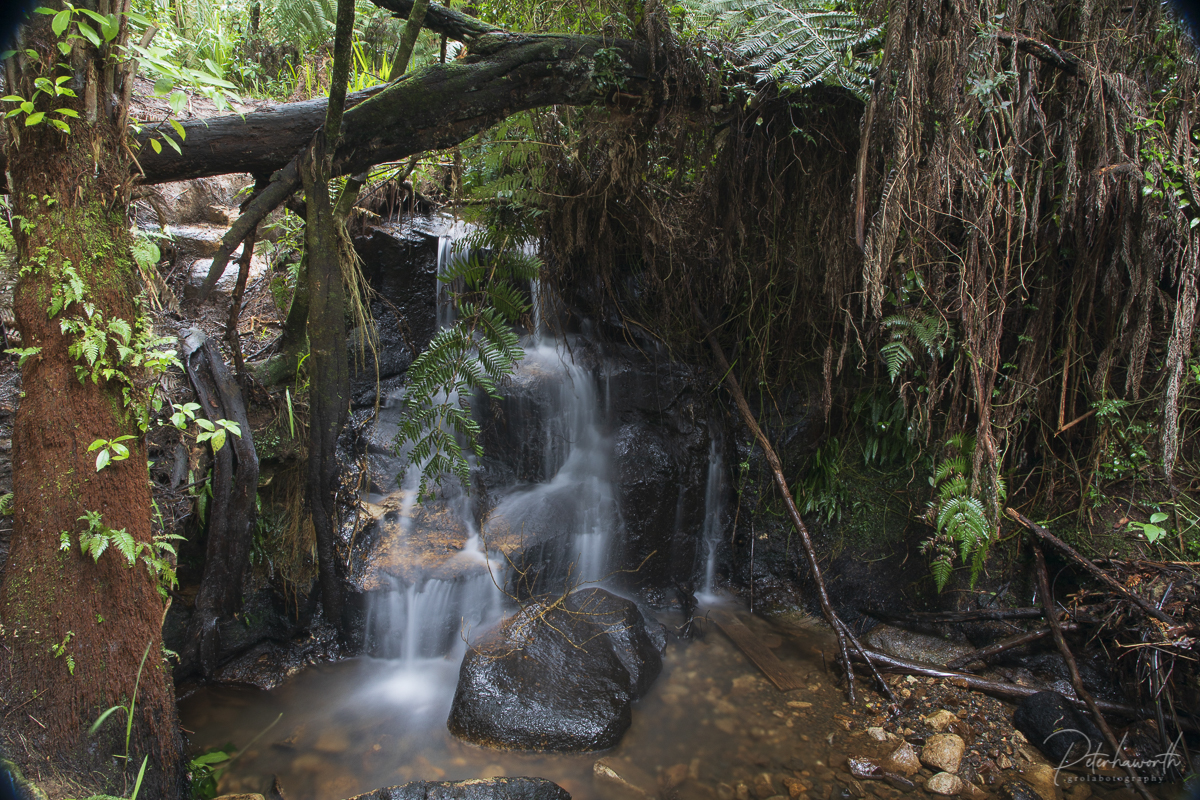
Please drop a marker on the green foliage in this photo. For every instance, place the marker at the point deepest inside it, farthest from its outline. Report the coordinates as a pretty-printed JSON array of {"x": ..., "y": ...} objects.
[
  {"x": 110, "y": 450},
  {"x": 1123, "y": 450},
  {"x": 797, "y": 43},
  {"x": 888, "y": 438},
  {"x": 23, "y": 354},
  {"x": 60, "y": 651},
  {"x": 6, "y": 504},
  {"x": 214, "y": 432},
  {"x": 820, "y": 490},
  {"x": 205, "y": 770},
  {"x": 959, "y": 518},
  {"x": 477, "y": 353},
  {"x": 128, "y": 709},
  {"x": 157, "y": 555},
  {"x": 919, "y": 328},
  {"x": 1152, "y": 530}
]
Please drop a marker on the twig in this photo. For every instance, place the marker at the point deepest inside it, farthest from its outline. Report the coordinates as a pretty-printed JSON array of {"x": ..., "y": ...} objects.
[
  {"x": 1076, "y": 681},
  {"x": 1100, "y": 574}
]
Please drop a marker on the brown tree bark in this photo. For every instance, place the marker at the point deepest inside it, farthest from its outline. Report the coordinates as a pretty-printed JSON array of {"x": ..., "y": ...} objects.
[{"x": 75, "y": 629}]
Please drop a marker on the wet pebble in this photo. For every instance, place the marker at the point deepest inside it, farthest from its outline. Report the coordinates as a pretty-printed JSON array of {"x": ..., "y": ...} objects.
[
  {"x": 943, "y": 752},
  {"x": 944, "y": 783}
]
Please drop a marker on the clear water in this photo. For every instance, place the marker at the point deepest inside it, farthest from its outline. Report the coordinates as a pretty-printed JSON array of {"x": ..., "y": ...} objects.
[{"x": 364, "y": 723}]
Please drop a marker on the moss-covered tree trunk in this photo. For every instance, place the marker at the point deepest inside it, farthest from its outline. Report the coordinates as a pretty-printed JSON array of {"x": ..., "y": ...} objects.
[{"x": 74, "y": 629}]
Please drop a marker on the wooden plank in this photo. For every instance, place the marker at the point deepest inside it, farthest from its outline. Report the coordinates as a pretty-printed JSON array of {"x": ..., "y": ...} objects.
[{"x": 756, "y": 651}]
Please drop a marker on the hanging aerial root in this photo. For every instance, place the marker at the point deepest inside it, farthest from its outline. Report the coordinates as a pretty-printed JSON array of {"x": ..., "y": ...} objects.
[{"x": 846, "y": 637}]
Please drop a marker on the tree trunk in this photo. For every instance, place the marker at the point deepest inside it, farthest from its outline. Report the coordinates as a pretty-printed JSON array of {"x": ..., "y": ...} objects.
[{"x": 75, "y": 629}]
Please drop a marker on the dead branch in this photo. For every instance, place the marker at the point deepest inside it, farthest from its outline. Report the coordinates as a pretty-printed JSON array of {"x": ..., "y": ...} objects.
[
  {"x": 983, "y": 654},
  {"x": 1076, "y": 680},
  {"x": 1100, "y": 574}
]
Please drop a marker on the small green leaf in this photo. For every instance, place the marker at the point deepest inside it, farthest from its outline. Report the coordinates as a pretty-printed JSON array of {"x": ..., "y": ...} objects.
[
  {"x": 178, "y": 101},
  {"x": 178, "y": 129},
  {"x": 67, "y": 112},
  {"x": 155, "y": 145},
  {"x": 60, "y": 22},
  {"x": 174, "y": 145},
  {"x": 102, "y": 459},
  {"x": 205, "y": 424},
  {"x": 218, "y": 440},
  {"x": 97, "y": 444},
  {"x": 163, "y": 85},
  {"x": 64, "y": 48},
  {"x": 62, "y": 126},
  {"x": 34, "y": 119},
  {"x": 87, "y": 31},
  {"x": 1159, "y": 516}
]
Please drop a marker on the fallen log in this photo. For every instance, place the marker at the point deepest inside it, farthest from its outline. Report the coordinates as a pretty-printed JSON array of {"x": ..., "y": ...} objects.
[
  {"x": 984, "y": 654},
  {"x": 1098, "y": 573},
  {"x": 976, "y": 615}
]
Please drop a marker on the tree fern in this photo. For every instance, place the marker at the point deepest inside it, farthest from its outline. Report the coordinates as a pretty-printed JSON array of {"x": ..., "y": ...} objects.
[
  {"x": 476, "y": 354},
  {"x": 797, "y": 43}
]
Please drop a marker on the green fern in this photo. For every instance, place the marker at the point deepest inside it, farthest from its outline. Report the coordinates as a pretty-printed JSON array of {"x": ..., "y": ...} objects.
[
  {"x": 927, "y": 331},
  {"x": 961, "y": 520},
  {"x": 797, "y": 43},
  {"x": 476, "y": 354}
]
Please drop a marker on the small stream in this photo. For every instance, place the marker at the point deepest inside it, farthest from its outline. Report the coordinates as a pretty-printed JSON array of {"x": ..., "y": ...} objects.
[
  {"x": 363, "y": 723},
  {"x": 336, "y": 730}
]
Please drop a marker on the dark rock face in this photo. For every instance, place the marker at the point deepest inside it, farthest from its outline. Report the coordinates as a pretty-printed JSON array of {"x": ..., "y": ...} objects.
[
  {"x": 1056, "y": 727},
  {"x": 662, "y": 431},
  {"x": 490, "y": 789},
  {"x": 400, "y": 263},
  {"x": 554, "y": 676}
]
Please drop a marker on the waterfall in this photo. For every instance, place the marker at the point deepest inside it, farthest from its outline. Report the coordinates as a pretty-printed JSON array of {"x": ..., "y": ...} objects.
[
  {"x": 576, "y": 494},
  {"x": 714, "y": 512}
]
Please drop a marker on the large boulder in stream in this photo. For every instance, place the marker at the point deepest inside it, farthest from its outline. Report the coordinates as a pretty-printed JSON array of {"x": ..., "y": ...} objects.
[
  {"x": 478, "y": 789},
  {"x": 557, "y": 675}
]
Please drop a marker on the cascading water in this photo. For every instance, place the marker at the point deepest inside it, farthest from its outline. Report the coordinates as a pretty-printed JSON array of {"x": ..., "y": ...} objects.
[{"x": 714, "y": 523}]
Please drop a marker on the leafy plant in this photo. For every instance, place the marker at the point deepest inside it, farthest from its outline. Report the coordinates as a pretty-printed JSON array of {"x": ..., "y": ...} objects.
[
  {"x": 155, "y": 555},
  {"x": 128, "y": 716},
  {"x": 820, "y": 490},
  {"x": 205, "y": 771},
  {"x": 60, "y": 650},
  {"x": 110, "y": 450},
  {"x": 1151, "y": 530},
  {"x": 927, "y": 331},
  {"x": 798, "y": 43},
  {"x": 477, "y": 353},
  {"x": 959, "y": 518},
  {"x": 213, "y": 432}
]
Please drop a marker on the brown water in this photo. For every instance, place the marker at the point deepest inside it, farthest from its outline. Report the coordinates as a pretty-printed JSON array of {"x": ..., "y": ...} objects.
[{"x": 364, "y": 723}]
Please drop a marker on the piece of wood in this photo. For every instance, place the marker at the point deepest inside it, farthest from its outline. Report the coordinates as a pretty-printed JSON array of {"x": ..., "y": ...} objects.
[
  {"x": 756, "y": 650},
  {"x": 983, "y": 654}
]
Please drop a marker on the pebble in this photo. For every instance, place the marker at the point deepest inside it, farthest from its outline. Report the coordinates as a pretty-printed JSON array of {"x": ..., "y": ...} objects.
[
  {"x": 878, "y": 734},
  {"x": 763, "y": 786},
  {"x": 621, "y": 780},
  {"x": 1041, "y": 778},
  {"x": 940, "y": 720},
  {"x": 674, "y": 775},
  {"x": 799, "y": 704},
  {"x": 903, "y": 760},
  {"x": 944, "y": 783},
  {"x": 943, "y": 752}
]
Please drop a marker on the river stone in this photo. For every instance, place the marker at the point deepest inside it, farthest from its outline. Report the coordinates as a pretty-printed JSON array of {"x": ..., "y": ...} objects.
[
  {"x": 1043, "y": 779},
  {"x": 554, "y": 677},
  {"x": 940, "y": 720},
  {"x": 914, "y": 646},
  {"x": 477, "y": 789},
  {"x": 903, "y": 760},
  {"x": 634, "y": 643},
  {"x": 619, "y": 779},
  {"x": 943, "y": 752},
  {"x": 944, "y": 783},
  {"x": 1017, "y": 789},
  {"x": 1057, "y": 728}
]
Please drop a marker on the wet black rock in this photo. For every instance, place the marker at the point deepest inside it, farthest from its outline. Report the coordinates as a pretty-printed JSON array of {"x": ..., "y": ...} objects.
[
  {"x": 400, "y": 264},
  {"x": 554, "y": 676},
  {"x": 479, "y": 789},
  {"x": 1056, "y": 727},
  {"x": 626, "y": 628}
]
